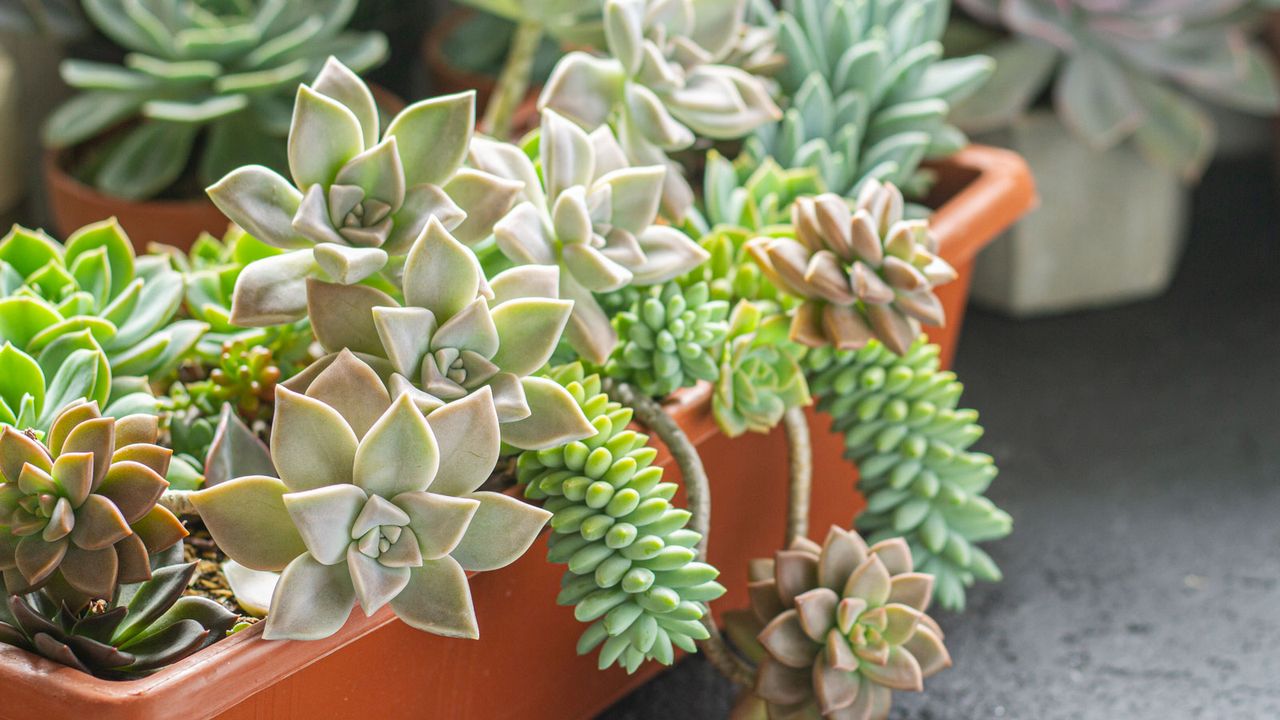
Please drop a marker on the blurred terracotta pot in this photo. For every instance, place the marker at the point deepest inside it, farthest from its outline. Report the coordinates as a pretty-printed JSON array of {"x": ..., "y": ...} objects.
[{"x": 525, "y": 665}]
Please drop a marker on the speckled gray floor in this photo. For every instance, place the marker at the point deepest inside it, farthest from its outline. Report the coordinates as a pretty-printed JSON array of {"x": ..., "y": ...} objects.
[{"x": 1140, "y": 458}]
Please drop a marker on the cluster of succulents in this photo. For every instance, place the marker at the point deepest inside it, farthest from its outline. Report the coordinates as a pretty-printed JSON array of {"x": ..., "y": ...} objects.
[
  {"x": 672, "y": 337},
  {"x": 631, "y": 566},
  {"x": 911, "y": 443},
  {"x": 198, "y": 74},
  {"x": 836, "y": 628},
  {"x": 664, "y": 84},
  {"x": 865, "y": 274},
  {"x": 1125, "y": 70},
  {"x": 148, "y": 625},
  {"x": 78, "y": 512},
  {"x": 760, "y": 375},
  {"x": 868, "y": 91},
  {"x": 376, "y": 504}
]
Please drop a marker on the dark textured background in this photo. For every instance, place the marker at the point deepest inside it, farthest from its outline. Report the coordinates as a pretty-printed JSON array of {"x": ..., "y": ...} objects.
[{"x": 1139, "y": 450}]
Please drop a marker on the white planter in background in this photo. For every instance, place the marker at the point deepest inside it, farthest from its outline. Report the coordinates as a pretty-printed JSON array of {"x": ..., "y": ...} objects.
[{"x": 1109, "y": 228}]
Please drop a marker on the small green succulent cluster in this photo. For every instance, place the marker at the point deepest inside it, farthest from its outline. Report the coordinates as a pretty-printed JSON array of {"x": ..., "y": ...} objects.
[
  {"x": 911, "y": 445},
  {"x": 671, "y": 337},
  {"x": 147, "y": 626},
  {"x": 760, "y": 373},
  {"x": 631, "y": 563},
  {"x": 93, "y": 291},
  {"x": 751, "y": 196},
  {"x": 205, "y": 76},
  {"x": 868, "y": 91}
]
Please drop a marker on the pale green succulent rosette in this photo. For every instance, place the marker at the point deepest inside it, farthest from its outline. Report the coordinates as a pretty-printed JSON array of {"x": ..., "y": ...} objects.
[
  {"x": 1124, "y": 70},
  {"x": 376, "y": 504},
  {"x": 760, "y": 377},
  {"x": 201, "y": 78},
  {"x": 457, "y": 334},
  {"x": 357, "y": 198},
  {"x": 663, "y": 84},
  {"x": 592, "y": 215},
  {"x": 93, "y": 292},
  {"x": 869, "y": 93}
]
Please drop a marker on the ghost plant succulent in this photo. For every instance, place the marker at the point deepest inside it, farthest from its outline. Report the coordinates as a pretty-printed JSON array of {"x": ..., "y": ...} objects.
[
  {"x": 357, "y": 198},
  {"x": 843, "y": 626},
  {"x": 664, "y": 84},
  {"x": 375, "y": 504},
  {"x": 78, "y": 512},
  {"x": 868, "y": 91},
  {"x": 585, "y": 209},
  {"x": 760, "y": 376},
  {"x": 455, "y": 335},
  {"x": 145, "y": 627},
  {"x": 49, "y": 291},
  {"x": 863, "y": 275}
]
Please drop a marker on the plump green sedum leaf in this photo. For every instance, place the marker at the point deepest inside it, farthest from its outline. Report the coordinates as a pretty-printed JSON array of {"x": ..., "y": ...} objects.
[
  {"x": 376, "y": 504},
  {"x": 1122, "y": 71},
  {"x": 760, "y": 375},
  {"x": 911, "y": 444},
  {"x": 144, "y": 627},
  {"x": 863, "y": 272},
  {"x": 838, "y": 627},
  {"x": 867, "y": 91},
  {"x": 93, "y": 293},
  {"x": 663, "y": 84},
  {"x": 631, "y": 569},
  {"x": 671, "y": 338},
  {"x": 78, "y": 512},
  {"x": 358, "y": 197},
  {"x": 199, "y": 74},
  {"x": 586, "y": 210}
]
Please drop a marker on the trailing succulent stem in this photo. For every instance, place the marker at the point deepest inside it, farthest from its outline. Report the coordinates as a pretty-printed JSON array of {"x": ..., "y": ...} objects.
[
  {"x": 911, "y": 445},
  {"x": 634, "y": 564},
  {"x": 671, "y": 338}
]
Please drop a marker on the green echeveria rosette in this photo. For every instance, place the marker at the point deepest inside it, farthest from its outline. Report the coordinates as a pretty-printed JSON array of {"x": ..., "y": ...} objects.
[
  {"x": 760, "y": 373},
  {"x": 199, "y": 77},
  {"x": 631, "y": 562},
  {"x": 836, "y": 629},
  {"x": 868, "y": 91},
  {"x": 147, "y": 626},
  {"x": 911, "y": 445},
  {"x": 671, "y": 338},
  {"x": 78, "y": 512},
  {"x": 91, "y": 293},
  {"x": 375, "y": 504}
]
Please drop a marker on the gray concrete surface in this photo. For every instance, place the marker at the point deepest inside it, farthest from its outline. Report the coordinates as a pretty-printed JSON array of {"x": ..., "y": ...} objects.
[{"x": 1140, "y": 457}]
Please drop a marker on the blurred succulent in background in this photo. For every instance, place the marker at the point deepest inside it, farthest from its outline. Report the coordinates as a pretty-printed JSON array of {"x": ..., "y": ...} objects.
[
  {"x": 375, "y": 504},
  {"x": 209, "y": 271},
  {"x": 145, "y": 627},
  {"x": 355, "y": 201},
  {"x": 863, "y": 275},
  {"x": 585, "y": 209},
  {"x": 202, "y": 76},
  {"x": 911, "y": 444},
  {"x": 760, "y": 373},
  {"x": 457, "y": 334},
  {"x": 868, "y": 93},
  {"x": 56, "y": 20},
  {"x": 838, "y": 627},
  {"x": 632, "y": 571},
  {"x": 570, "y": 21},
  {"x": 663, "y": 84},
  {"x": 751, "y": 197},
  {"x": 78, "y": 512},
  {"x": 94, "y": 283},
  {"x": 1128, "y": 69},
  {"x": 671, "y": 338}
]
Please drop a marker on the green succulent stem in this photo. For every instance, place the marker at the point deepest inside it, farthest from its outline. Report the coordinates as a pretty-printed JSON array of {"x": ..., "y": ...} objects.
[
  {"x": 800, "y": 464},
  {"x": 513, "y": 81}
]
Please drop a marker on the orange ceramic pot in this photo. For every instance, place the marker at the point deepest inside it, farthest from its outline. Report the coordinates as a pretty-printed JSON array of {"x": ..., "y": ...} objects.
[{"x": 524, "y": 666}]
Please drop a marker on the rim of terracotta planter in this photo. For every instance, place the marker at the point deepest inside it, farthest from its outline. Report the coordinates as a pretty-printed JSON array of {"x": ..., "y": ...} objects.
[{"x": 982, "y": 191}]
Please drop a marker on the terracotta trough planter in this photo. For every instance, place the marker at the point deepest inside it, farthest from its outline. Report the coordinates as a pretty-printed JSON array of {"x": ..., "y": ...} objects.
[{"x": 524, "y": 666}]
